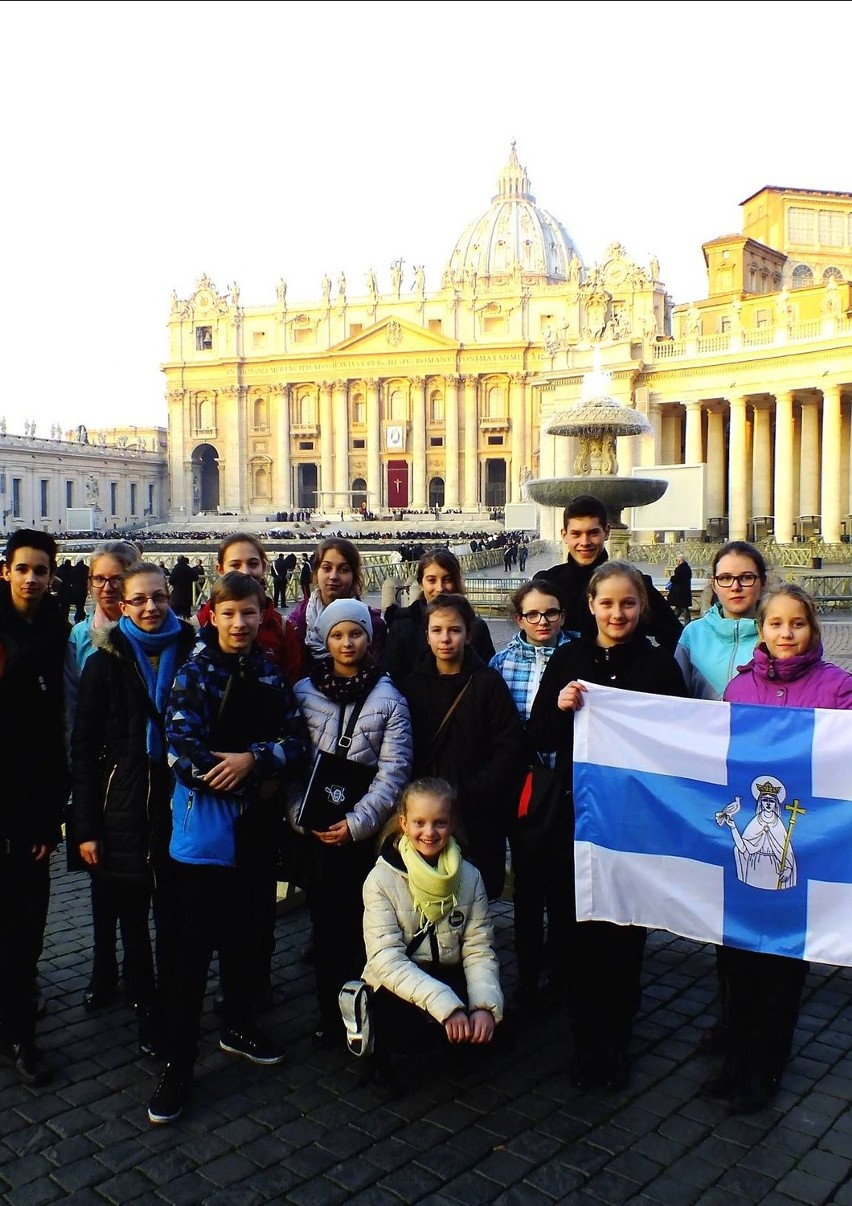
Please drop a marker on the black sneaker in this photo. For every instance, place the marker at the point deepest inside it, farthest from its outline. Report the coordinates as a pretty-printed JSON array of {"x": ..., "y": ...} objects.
[
  {"x": 170, "y": 1094},
  {"x": 28, "y": 1062},
  {"x": 251, "y": 1044}
]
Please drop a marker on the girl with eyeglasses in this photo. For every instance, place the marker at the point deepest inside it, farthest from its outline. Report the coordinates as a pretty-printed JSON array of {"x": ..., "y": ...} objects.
[
  {"x": 709, "y": 653},
  {"x": 540, "y": 844},
  {"x": 120, "y": 818},
  {"x": 711, "y": 648}
]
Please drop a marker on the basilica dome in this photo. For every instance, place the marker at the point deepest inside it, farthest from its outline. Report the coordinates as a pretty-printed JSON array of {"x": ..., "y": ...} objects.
[{"x": 513, "y": 237}]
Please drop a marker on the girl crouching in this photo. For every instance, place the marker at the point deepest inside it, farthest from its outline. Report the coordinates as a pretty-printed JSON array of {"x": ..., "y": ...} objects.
[{"x": 427, "y": 931}]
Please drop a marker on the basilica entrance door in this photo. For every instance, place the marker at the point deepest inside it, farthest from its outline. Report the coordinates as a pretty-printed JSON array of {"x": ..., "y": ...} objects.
[{"x": 397, "y": 491}]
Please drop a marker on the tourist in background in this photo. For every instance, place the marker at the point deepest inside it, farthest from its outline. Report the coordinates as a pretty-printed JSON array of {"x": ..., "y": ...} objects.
[{"x": 680, "y": 589}]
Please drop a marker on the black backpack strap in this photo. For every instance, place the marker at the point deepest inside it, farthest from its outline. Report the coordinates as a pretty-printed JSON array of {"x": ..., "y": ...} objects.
[{"x": 344, "y": 739}]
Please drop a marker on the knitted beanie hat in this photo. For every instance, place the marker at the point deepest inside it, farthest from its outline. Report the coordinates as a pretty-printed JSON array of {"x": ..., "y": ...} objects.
[{"x": 344, "y": 609}]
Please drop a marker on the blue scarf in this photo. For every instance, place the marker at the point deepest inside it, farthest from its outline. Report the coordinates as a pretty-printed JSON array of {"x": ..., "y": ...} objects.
[{"x": 162, "y": 644}]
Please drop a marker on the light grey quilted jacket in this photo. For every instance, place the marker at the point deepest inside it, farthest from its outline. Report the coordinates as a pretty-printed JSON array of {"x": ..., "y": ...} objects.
[
  {"x": 382, "y": 738},
  {"x": 464, "y": 936}
]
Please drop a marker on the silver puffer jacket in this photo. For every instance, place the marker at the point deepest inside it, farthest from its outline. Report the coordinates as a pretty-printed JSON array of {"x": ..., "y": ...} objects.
[{"x": 382, "y": 738}]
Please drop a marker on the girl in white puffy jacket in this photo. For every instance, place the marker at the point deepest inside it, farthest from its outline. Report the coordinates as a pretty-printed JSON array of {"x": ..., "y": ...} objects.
[{"x": 427, "y": 931}]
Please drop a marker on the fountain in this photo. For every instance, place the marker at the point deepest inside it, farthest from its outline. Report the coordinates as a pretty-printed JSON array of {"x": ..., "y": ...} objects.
[{"x": 596, "y": 421}]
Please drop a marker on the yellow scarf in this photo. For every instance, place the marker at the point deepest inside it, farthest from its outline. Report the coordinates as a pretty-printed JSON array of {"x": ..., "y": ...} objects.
[{"x": 435, "y": 890}]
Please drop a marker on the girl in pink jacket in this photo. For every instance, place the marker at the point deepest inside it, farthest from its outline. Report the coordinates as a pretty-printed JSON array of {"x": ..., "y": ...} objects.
[{"x": 786, "y": 670}]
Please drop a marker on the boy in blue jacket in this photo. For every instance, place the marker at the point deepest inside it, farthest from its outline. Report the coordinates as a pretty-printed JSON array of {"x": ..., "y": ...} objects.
[{"x": 226, "y": 688}]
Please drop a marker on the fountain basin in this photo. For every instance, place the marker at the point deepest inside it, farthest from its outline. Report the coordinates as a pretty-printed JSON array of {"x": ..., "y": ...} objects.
[{"x": 614, "y": 492}]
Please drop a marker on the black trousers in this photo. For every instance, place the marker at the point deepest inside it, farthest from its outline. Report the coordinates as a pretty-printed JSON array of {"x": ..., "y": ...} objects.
[
  {"x": 763, "y": 1008},
  {"x": 127, "y": 905},
  {"x": 24, "y": 900},
  {"x": 212, "y": 915},
  {"x": 402, "y": 1028},
  {"x": 337, "y": 912},
  {"x": 544, "y": 884},
  {"x": 605, "y": 992}
]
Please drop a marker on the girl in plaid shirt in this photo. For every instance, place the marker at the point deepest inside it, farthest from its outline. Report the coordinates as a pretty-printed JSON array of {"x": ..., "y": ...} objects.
[{"x": 538, "y": 853}]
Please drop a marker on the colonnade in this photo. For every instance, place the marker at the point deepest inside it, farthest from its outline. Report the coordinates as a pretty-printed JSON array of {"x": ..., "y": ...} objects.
[{"x": 781, "y": 457}]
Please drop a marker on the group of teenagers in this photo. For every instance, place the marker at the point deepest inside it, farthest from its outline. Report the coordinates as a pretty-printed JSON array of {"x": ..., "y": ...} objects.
[{"x": 457, "y": 739}]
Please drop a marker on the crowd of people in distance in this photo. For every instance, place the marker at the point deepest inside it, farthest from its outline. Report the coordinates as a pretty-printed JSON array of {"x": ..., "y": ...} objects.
[{"x": 196, "y": 754}]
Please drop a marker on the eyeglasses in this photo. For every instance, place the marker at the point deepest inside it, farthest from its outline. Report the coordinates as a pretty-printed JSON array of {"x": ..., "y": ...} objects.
[
  {"x": 552, "y": 613},
  {"x": 159, "y": 599},
  {"x": 99, "y": 581},
  {"x": 746, "y": 579}
]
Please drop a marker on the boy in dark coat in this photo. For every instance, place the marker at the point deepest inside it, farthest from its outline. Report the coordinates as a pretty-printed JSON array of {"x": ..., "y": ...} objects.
[{"x": 33, "y": 636}]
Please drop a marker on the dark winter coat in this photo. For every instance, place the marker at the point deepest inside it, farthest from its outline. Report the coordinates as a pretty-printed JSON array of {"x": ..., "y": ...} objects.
[
  {"x": 636, "y": 665},
  {"x": 120, "y": 798},
  {"x": 481, "y": 751},
  {"x": 572, "y": 581},
  {"x": 32, "y": 722},
  {"x": 406, "y": 641}
]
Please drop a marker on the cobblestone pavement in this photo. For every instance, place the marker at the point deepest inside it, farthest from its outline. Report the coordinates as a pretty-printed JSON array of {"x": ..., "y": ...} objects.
[{"x": 507, "y": 1127}]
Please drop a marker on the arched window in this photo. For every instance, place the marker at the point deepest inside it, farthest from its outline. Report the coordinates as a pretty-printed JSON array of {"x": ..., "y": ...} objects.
[
  {"x": 260, "y": 412},
  {"x": 802, "y": 276},
  {"x": 436, "y": 492},
  {"x": 261, "y": 482},
  {"x": 359, "y": 493},
  {"x": 359, "y": 410},
  {"x": 205, "y": 413},
  {"x": 307, "y": 410},
  {"x": 495, "y": 402},
  {"x": 831, "y": 272},
  {"x": 436, "y": 406},
  {"x": 398, "y": 404}
]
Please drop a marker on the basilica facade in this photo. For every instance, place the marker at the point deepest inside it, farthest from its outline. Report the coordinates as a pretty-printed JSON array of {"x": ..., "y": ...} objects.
[{"x": 387, "y": 395}]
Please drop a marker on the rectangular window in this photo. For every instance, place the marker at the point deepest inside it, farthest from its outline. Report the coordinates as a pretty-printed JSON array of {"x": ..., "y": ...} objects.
[
  {"x": 133, "y": 498},
  {"x": 435, "y": 325},
  {"x": 44, "y": 497},
  {"x": 436, "y": 441},
  {"x": 259, "y": 339},
  {"x": 16, "y": 497},
  {"x": 801, "y": 225},
  {"x": 306, "y": 445},
  {"x": 69, "y": 494},
  {"x": 304, "y": 335},
  {"x": 113, "y": 498},
  {"x": 203, "y": 339},
  {"x": 150, "y": 500},
  {"x": 831, "y": 228},
  {"x": 359, "y": 443},
  {"x": 355, "y": 328},
  {"x": 495, "y": 440},
  {"x": 724, "y": 325},
  {"x": 762, "y": 318}
]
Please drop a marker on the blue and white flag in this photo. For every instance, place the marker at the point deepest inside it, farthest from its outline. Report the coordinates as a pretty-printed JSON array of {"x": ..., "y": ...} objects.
[{"x": 720, "y": 822}]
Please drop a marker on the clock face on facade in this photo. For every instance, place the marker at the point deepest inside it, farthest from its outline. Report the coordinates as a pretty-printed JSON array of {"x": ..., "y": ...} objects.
[{"x": 394, "y": 437}]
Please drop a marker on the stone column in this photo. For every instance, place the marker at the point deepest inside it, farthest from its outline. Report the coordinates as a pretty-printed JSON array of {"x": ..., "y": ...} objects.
[
  {"x": 282, "y": 488},
  {"x": 761, "y": 464},
  {"x": 809, "y": 460},
  {"x": 784, "y": 493},
  {"x": 694, "y": 450},
  {"x": 649, "y": 445},
  {"x": 451, "y": 442},
  {"x": 715, "y": 480},
  {"x": 418, "y": 443},
  {"x": 471, "y": 445},
  {"x": 375, "y": 493},
  {"x": 340, "y": 418},
  {"x": 737, "y": 469},
  {"x": 326, "y": 423},
  {"x": 831, "y": 464},
  {"x": 517, "y": 416}
]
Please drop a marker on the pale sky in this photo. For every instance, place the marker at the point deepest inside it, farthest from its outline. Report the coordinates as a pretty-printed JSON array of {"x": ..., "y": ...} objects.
[{"x": 145, "y": 143}]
